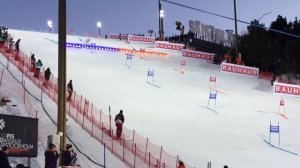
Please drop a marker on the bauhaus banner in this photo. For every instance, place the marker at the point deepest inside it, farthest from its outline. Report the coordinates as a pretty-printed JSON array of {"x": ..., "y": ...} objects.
[
  {"x": 20, "y": 134},
  {"x": 286, "y": 89},
  {"x": 239, "y": 69}
]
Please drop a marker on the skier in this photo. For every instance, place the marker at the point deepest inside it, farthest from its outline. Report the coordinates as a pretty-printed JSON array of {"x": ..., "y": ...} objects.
[
  {"x": 68, "y": 156},
  {"x": 70, "y": 90},
  {"x": 47, "y": 77},
  {"x": 51, "y": 156},
  {"x": 119, "y": 120}
]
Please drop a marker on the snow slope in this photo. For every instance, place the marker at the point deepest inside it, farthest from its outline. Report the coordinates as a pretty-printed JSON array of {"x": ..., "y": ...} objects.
[{"x": 174, "y": 114}]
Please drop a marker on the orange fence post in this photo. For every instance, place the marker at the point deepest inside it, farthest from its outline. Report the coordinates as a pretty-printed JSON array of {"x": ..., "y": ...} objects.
[
  {"x": 112, "y": 145},
  {"x": 134, "y": 155},
  {"x": 1, "y": 76},
  {"x": 102, "y": 132},
  {"x": 133, "y": 140},
  {"x": 161, "y": 149},
  {"x": 123, "y": 148},
  {"x": 92, "y": 126},
  {"x": 149, "y": 159},
  {"x": 146, "y": 149}
]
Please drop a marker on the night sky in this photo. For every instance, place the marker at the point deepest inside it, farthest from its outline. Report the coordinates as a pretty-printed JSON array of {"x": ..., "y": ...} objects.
[{"x": 138, "y": 16}]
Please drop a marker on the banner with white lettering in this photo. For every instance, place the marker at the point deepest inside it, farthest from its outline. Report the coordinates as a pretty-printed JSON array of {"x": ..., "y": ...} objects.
[
  {"x": 117, "y": 36},
  {"x": 19, "y": 134},
  {"x": 167, "y": 45},
  {"x": 141, "y": 39},
  {"x": 239, "y": 69},
  {"x": 286, "y": 89},
  {"x": 197, "y": 54}
]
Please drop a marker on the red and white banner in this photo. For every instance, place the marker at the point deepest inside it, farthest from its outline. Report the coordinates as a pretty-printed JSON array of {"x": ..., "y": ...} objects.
[
  {"x": 117, "y": 36},
  {"x": 239, "y": 69},
  {"x": 141, "y": 39},
  {"x": 286, "y": 89},
  {"x": 197, "y": 54},
  {"x": 167, "y": 45}
]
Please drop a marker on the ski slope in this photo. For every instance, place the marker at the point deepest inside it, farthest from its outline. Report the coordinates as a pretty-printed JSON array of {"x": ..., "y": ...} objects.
[{"x": 173, "y": 113}]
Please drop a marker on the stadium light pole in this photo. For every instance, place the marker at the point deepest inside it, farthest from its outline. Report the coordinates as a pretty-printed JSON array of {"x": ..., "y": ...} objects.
[
  {"x": 161, "y": 16},
  {"x": 50, "y": 25},
  {"x": 236, "y": 34},
  {"x": 99, "y": 27},
  {"x": 61, "y": 105}
]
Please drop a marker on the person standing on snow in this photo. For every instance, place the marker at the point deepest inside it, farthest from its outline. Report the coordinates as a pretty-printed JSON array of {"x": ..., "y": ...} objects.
[
  {"x": 180, "y": 164},
  {"x": 32, "y": 60},
  {"x": 68, "y": 156},
  {"x": 38, "y": 67},
  {"x": 3, "y": 157},
  {"x": 51, "y": 156},
  {"x": 47, "y": 77},
  {"x": 70, "y": 90},
  {"x": 119, "y": 120}
]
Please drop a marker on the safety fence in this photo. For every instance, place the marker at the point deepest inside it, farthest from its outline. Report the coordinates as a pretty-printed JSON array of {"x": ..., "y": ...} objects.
[
  {"x": 17, "y": 92},
  {"x": 132, "y": 148}
]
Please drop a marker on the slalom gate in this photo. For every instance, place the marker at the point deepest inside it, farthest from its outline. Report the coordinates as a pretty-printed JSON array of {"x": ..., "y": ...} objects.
[
  {"x": 274, "y": 129},
  {"x": 132, "y": 148}
]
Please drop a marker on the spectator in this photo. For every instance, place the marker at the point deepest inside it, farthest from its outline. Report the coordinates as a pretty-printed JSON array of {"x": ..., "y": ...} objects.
[
  {"x": 70, "y": 90},
  {"x": 180, "y": 164},
  {"x": 3, "y": 157},
  {"x": 10, "y": 44},
  {"x": 119, "y": 120},
  {"x": 38, "y": 67},
  {"x": 32, "y": 60},
  {"x": 68, "y": 156},
  {"x": 51, "y": 156},
  {"x": 225, "y": 166},
  {"x": 17, "y": 46},
  {"x": 47, "y": 77}
]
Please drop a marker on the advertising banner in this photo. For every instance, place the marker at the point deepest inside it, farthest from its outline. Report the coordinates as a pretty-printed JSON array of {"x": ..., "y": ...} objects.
[
  {"x": 286, "y": 89},
  {"x": 117, "y": 36},
  {"x": 239, "y": 69},
  {"x": 167, "y": 45},
  {"x": 20, "y": 134},
  {"x": 141, "y": 39},
  {"x": 197, "y": 54}
]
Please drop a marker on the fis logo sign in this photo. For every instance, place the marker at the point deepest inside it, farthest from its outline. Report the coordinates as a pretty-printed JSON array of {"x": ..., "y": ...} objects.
[{"x": 2, "y": 124}]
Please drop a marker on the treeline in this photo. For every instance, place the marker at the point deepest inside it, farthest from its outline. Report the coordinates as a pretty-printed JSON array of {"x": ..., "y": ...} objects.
[{"x": 272, "y": 51}]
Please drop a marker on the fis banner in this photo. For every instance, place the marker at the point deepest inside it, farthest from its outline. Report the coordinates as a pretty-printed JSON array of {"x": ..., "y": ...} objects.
[
  {"x": 286, "y": 89},
  {"x": 117, "y": 36},
  {"x": 20, "y": 134},
  {"x": 141, "y": 39},
  {"x": 167, "y": 45},
  {"x": 239, "y": 69},
  {"x": 197, "y": 54}
]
